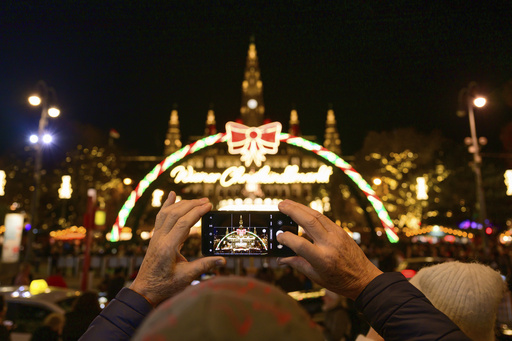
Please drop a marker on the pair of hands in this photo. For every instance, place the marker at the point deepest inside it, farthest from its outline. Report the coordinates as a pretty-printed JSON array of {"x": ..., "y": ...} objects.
[{"x": 333, "y": 260}]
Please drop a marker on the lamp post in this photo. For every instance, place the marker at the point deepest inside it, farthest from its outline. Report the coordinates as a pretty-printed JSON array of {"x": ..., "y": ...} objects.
[
  {"x": 468, "y": 98},
  {"x": 43, "y": 97}
]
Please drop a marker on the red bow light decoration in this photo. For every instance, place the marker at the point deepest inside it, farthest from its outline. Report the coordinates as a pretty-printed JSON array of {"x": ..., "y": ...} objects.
[{"x": 253, "y": 142}]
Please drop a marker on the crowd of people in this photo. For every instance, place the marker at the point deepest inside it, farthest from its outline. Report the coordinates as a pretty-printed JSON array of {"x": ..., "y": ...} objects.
[
  {"x": 358, "y": 281},
  {"x": 232, "y": 307}
]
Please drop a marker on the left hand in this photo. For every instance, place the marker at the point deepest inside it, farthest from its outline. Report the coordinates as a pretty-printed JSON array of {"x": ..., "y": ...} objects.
[{"x": 164, "y": 271}]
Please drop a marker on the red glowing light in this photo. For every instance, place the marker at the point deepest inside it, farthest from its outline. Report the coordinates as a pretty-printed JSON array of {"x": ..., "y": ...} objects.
[{"x": 408, "y": 273}]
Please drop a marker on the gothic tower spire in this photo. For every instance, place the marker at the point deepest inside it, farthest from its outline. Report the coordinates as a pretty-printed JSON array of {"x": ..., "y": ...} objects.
[
  {"x": 332, "y": 137},
  {"x": 173, "y": 137},
  {"x": 211, "y": 127},
  {"x": 294, "y": 123},
  {"x": 252, "y": 109}
]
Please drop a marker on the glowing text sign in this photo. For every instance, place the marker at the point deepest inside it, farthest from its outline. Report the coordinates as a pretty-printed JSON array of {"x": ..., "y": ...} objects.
[{"x": 237, "y": 175}]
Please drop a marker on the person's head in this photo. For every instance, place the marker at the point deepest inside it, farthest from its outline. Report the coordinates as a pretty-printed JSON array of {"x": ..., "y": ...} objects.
[
  {"x": 119, "y": 272},
  {"x": 3, "y": 308},
  {"x": 55, "y": 321},
  {"x": 230, "y": 308},
  {"x": 468, "y": 293},
  {"x": 87, "y": 302},
  {"x": 25, "y": 268}
]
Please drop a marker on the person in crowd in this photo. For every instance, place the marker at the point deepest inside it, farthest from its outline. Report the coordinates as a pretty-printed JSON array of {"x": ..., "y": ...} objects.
[
  {"x": 395, "y": 308},
  {"x": 115, "y": 283},
  {"x": 265, "y": 274},
  {"x": 56, "y": 279},
  {"x": 468, "y": 293},
  {"x": 336, "y": 321},
  {"x": 51, "y": 328},
  {"x": 230, "y": 308},
  {"x": 5, "y": 331},
  {"x": 24, "y": 276},
  {"x": 84, "y": 310},
  {"x": 289, "y": 281}
]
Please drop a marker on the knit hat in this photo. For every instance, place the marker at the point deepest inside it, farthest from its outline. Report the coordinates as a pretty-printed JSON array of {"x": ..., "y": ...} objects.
[
  {"x": 469, "y": 294},
  {"x": 229, "y": 308}
]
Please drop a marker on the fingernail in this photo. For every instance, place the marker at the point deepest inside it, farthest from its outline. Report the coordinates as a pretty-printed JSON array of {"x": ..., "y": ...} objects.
[
  {"x": 204, "y": 200},
  {"x": 283, "y": 203},
  {"x": 220, "y": 262}
]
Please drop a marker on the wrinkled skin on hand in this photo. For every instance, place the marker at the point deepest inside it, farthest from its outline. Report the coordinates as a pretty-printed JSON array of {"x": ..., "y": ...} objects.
[
  {"x": 333, "y": 259},
  {"x": 164, "y": 271}
]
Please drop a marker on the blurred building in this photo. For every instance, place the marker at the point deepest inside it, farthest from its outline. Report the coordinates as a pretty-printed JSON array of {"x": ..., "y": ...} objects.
[{"x": 253, "y": 169}]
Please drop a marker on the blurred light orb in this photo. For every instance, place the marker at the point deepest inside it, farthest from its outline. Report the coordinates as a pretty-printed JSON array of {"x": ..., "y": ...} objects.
[
  {"x": 377, "y": 181},
  {"x": 53, "y": 112},
  {"x": 34, "y": 100},
  {"x": 33, "y": 138},
  {"x": 479, "y": 102},
  {"x": 252, "y": 103},
  {"x": 47, "y": 138}
]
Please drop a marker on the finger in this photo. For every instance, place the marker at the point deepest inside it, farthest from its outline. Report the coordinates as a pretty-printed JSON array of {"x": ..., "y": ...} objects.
[
  {"x": 171, "y": 199},
  {"x": 160, "y": 217},
  {"x": 301, "y": 265},
  {"x": 174, "y": 212},
  {"x": 299, "y": 245},
  {"x": 181, "y": 229},
  {"x": 305, "y": 217},
  {"x": 326, "y": 222},
  {"x": 200, "y": 266}
]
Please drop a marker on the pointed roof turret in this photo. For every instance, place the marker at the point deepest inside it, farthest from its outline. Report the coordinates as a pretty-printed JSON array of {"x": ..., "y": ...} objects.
[
  {"x": 211, "y": 127},
  {"x": 252, "y": 109},
  {"x": 173, "y": 137},
  {"x": 294, "y": 123},
  {"x": 332, "y": 137}
]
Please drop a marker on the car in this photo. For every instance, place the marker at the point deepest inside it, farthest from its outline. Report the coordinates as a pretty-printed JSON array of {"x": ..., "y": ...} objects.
[
  {"x": 27, "y": 306},
  {"x": 410, "y": 266}
]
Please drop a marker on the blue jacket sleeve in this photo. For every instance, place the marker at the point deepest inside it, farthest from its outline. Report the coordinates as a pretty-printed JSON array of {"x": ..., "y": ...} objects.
[
  {"x": 120, "y": 319},
  {"x": 399, "y": 311}
]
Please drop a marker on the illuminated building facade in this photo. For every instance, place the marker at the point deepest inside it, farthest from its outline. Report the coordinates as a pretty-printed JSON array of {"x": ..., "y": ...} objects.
[{"x": 255, "y": 164}]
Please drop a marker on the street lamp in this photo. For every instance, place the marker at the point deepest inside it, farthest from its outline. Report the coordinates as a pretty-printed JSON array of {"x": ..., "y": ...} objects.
[
  {"x": 46, "y": 98},
  {"x": 468, "y": 98}
]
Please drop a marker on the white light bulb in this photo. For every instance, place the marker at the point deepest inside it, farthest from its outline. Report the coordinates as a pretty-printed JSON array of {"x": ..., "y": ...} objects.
[{"x": 47, "y": 138}]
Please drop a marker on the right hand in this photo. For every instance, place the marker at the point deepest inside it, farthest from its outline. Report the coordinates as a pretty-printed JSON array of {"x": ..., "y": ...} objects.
[
  {"x": 164, "y": 271},
  {"x": 333, "y": 259}
]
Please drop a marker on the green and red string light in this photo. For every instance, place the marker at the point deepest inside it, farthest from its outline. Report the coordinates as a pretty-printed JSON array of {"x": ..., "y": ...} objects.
[{"x": 208, "y": 141}]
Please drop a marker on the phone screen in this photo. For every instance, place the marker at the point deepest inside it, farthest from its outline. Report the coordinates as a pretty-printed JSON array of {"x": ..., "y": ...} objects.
[{"x": 245, "y": 233}]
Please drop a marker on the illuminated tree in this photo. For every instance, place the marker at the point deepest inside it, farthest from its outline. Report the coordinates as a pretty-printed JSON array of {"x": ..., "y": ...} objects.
[{"x": 397, "y": 158}]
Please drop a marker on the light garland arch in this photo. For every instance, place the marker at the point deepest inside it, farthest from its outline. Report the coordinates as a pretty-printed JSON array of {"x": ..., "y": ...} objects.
[{"x": 209, "y": 141}]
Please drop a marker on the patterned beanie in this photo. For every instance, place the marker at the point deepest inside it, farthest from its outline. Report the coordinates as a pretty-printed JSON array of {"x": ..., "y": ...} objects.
[
  {"x": 229, "y": 308},
  {"x": 468, "y": 293}
]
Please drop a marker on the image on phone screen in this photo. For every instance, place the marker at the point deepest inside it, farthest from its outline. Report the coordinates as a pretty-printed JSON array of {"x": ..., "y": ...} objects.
[{"x": 249, "y": 233}]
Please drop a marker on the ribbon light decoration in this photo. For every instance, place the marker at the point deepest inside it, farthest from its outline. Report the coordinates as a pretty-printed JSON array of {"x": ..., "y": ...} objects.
[{"x": 253, "y": 142}]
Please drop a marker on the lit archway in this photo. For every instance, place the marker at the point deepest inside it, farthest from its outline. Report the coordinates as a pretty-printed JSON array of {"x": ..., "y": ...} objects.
[{"x": 286, "y": 138}]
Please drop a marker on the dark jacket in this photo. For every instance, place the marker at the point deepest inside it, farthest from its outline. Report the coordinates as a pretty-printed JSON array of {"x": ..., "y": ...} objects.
[
  {"x": 393, "y": 306},
  {"x": 399, "y": 311},
  {"x": 121, "y": 317}
]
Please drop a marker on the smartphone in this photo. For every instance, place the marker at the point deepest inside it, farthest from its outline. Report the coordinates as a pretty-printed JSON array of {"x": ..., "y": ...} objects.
[{"x": 245, "y": 233}]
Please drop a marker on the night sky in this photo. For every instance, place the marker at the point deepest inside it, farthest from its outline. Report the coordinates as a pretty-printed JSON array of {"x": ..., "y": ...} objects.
[{"x": 381, "y": 64}]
